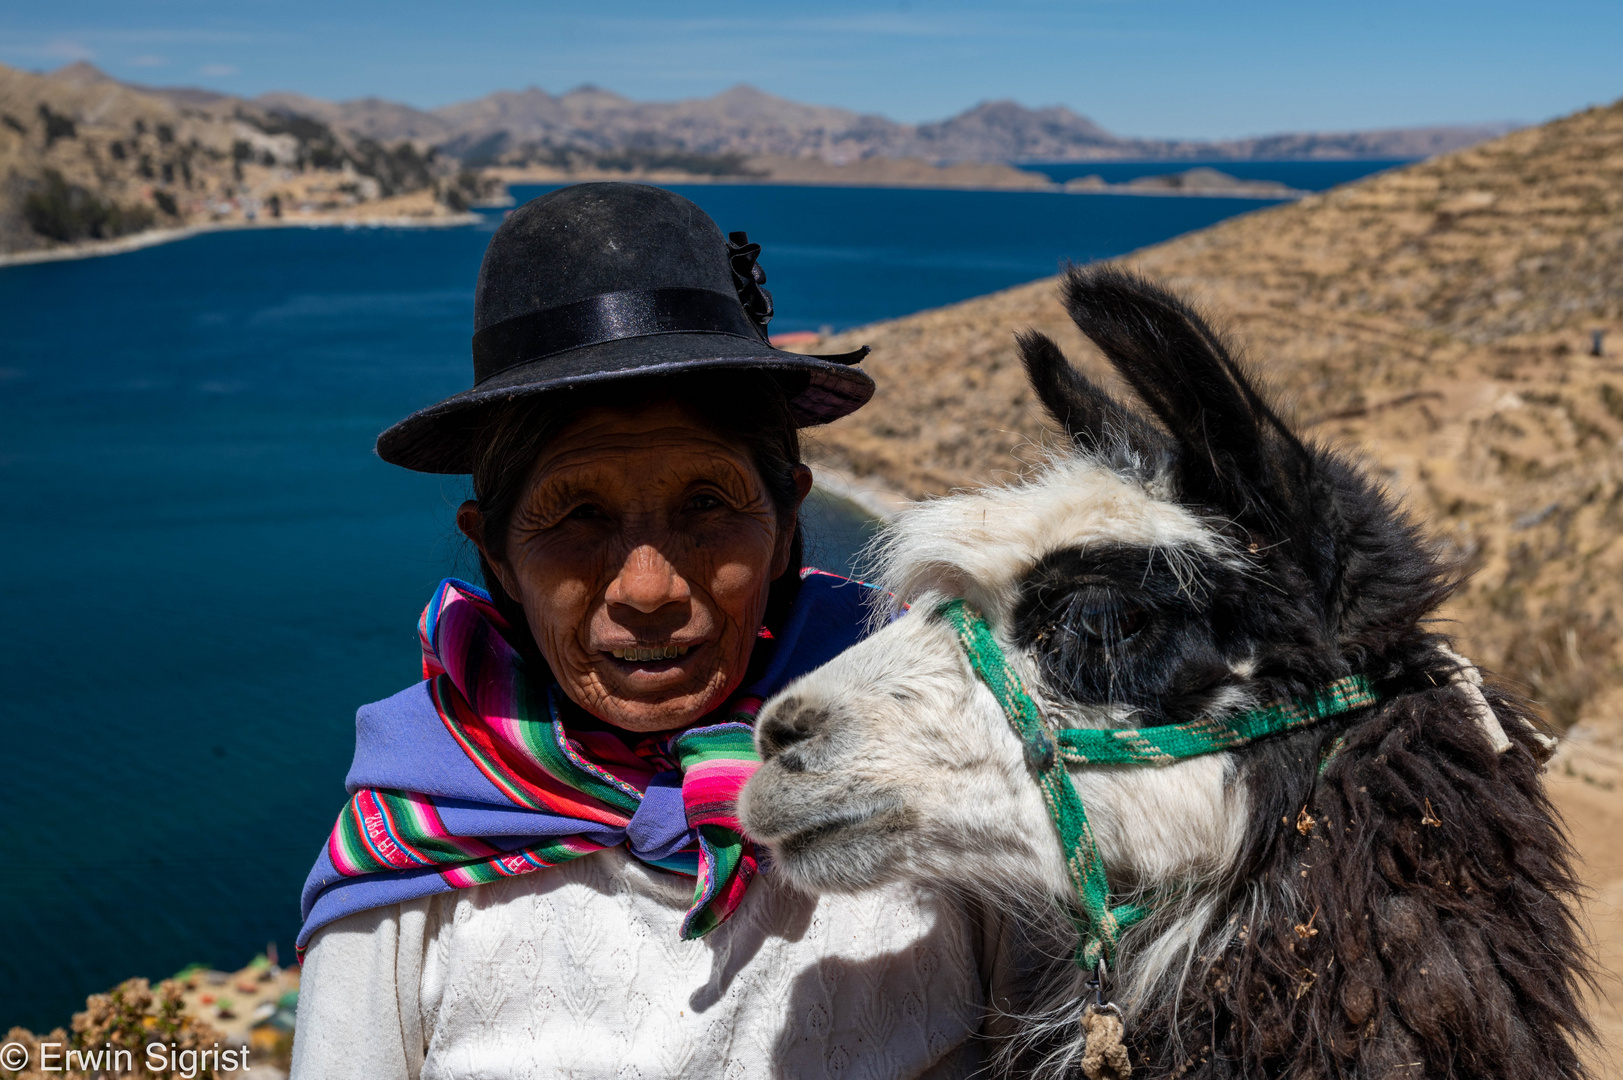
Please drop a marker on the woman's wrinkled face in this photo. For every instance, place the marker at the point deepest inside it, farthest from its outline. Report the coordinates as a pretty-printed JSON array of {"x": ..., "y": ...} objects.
[{"x": 642, "y": 552}]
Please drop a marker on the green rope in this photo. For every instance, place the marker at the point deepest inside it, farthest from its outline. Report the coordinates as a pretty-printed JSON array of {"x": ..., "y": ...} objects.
[
  {"x": 1099, "y": 923},
  {"x": 1173, "y": 742}
]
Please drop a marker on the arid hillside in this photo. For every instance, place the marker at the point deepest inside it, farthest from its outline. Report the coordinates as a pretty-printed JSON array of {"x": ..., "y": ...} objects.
[{"x": 1438, "y": 319}]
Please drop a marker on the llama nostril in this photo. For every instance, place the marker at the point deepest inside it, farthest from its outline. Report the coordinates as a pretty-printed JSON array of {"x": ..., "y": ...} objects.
[{"x": 790, "y": 723}]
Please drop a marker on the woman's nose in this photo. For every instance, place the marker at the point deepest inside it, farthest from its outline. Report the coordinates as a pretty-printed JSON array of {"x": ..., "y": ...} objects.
[{"x": 647, "y": 581}]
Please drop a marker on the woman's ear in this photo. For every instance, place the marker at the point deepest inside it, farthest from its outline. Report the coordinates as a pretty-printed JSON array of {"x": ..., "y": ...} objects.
[
  {"x": 471, "y": 521},
  {"x": 791, "y": 520}
]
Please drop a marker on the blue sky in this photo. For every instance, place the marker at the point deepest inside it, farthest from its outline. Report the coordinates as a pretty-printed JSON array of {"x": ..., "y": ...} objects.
[{"x": 1194, "y": 68}]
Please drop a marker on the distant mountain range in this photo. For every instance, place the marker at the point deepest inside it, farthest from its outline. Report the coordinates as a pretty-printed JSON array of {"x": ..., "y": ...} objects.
[
  {"x": 88, "y": 158},
  {"x": 513, "y": 126}
]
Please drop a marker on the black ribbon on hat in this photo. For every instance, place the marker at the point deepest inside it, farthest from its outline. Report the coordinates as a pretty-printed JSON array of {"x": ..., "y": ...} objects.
[{"x": 604, "y": 318}]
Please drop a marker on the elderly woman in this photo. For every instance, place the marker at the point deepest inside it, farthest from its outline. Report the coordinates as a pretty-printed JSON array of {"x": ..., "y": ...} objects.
[{"x": 540, "y": 871}]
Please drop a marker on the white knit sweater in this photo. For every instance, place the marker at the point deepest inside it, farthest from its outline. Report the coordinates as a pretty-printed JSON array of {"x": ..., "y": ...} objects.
[{"x": 578, "y": 972}]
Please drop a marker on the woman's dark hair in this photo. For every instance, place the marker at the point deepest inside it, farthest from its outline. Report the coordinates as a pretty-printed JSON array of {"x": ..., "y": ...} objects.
[{"x": 749, "y": 408}]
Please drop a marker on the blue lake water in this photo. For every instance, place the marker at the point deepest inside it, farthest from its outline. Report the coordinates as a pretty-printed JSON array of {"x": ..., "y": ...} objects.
[
  {"x": 208, "y": 569},
  {"x": 1303, "y": 175}
]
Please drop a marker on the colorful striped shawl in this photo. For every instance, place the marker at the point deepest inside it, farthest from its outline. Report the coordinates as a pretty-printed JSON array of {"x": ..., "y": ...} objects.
[{"x": 472, "y": 776}]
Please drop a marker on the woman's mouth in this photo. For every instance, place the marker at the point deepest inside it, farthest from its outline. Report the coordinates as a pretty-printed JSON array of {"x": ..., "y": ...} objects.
[{"x": 638, "y": 654}]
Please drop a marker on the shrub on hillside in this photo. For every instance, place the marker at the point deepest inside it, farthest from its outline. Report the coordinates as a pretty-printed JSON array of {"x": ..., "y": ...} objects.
[
  {"x": 637, "y": 160},
  {"x": 57, "y": 126},
  {"x": 396, "y": 170},
  {"x": 67, "y": 212},
  {"x": 318, "y": 146},
  {"x": 466, "y": 188}
]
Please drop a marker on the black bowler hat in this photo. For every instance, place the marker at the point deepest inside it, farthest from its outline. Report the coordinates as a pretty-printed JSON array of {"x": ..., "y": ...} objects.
[{"x": 611, "y": 281}]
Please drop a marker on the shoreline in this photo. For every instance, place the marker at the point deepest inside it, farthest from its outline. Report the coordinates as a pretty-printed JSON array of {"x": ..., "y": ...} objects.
[{"x": 154, "y": 237}]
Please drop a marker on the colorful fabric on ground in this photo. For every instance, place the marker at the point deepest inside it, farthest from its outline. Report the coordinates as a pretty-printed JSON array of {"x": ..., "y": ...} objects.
[{"x": 473, "y": 775}]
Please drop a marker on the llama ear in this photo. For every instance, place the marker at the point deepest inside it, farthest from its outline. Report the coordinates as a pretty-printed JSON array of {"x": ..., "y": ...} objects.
[
  {"x": 1096, "y": 422},
  {"x": 1234, "y": 451}
]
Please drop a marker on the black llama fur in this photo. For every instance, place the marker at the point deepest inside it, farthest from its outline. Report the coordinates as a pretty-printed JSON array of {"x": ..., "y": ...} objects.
[{"x": 1403, "y": 905}]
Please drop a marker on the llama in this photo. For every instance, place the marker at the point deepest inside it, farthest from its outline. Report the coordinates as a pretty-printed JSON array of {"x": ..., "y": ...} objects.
[{"x": 1381, "y": 890}]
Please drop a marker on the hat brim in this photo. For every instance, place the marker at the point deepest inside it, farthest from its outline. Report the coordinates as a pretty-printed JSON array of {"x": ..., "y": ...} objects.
[{"x": 439, "y": 439}]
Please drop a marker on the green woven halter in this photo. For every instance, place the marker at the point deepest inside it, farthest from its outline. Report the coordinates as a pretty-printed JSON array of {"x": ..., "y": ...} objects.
[{"x": 1048, "y": 752}]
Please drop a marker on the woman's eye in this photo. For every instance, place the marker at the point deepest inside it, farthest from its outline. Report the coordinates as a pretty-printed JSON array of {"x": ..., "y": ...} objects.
[
  {"x": 1108, "y": 623},
  {"x": 584, "y": 512},
  {"x": 703, "y": 501}
]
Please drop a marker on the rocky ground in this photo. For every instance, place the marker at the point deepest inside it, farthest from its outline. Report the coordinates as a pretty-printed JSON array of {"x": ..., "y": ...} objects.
[{"x": 1439, "y": 321}]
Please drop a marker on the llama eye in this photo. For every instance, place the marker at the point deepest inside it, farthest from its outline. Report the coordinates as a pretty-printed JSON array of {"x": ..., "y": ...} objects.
[{"x": 1108, "y": 622}]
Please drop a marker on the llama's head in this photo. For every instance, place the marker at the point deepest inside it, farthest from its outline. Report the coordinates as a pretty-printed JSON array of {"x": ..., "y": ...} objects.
[{"x": 1191, "y": 561}]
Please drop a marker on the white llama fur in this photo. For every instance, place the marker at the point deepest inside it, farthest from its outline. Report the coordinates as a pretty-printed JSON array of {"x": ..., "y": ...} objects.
[
  {"x": 976, "y": 544},
  {"x": 917, "y": 776}
]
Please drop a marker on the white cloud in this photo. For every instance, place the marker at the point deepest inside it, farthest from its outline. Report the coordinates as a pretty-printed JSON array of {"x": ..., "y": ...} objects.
[
  {"x": 65, "y": 49},
  {"x": 170, "y": 36},
  {"x": 216, "y": 69}
]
